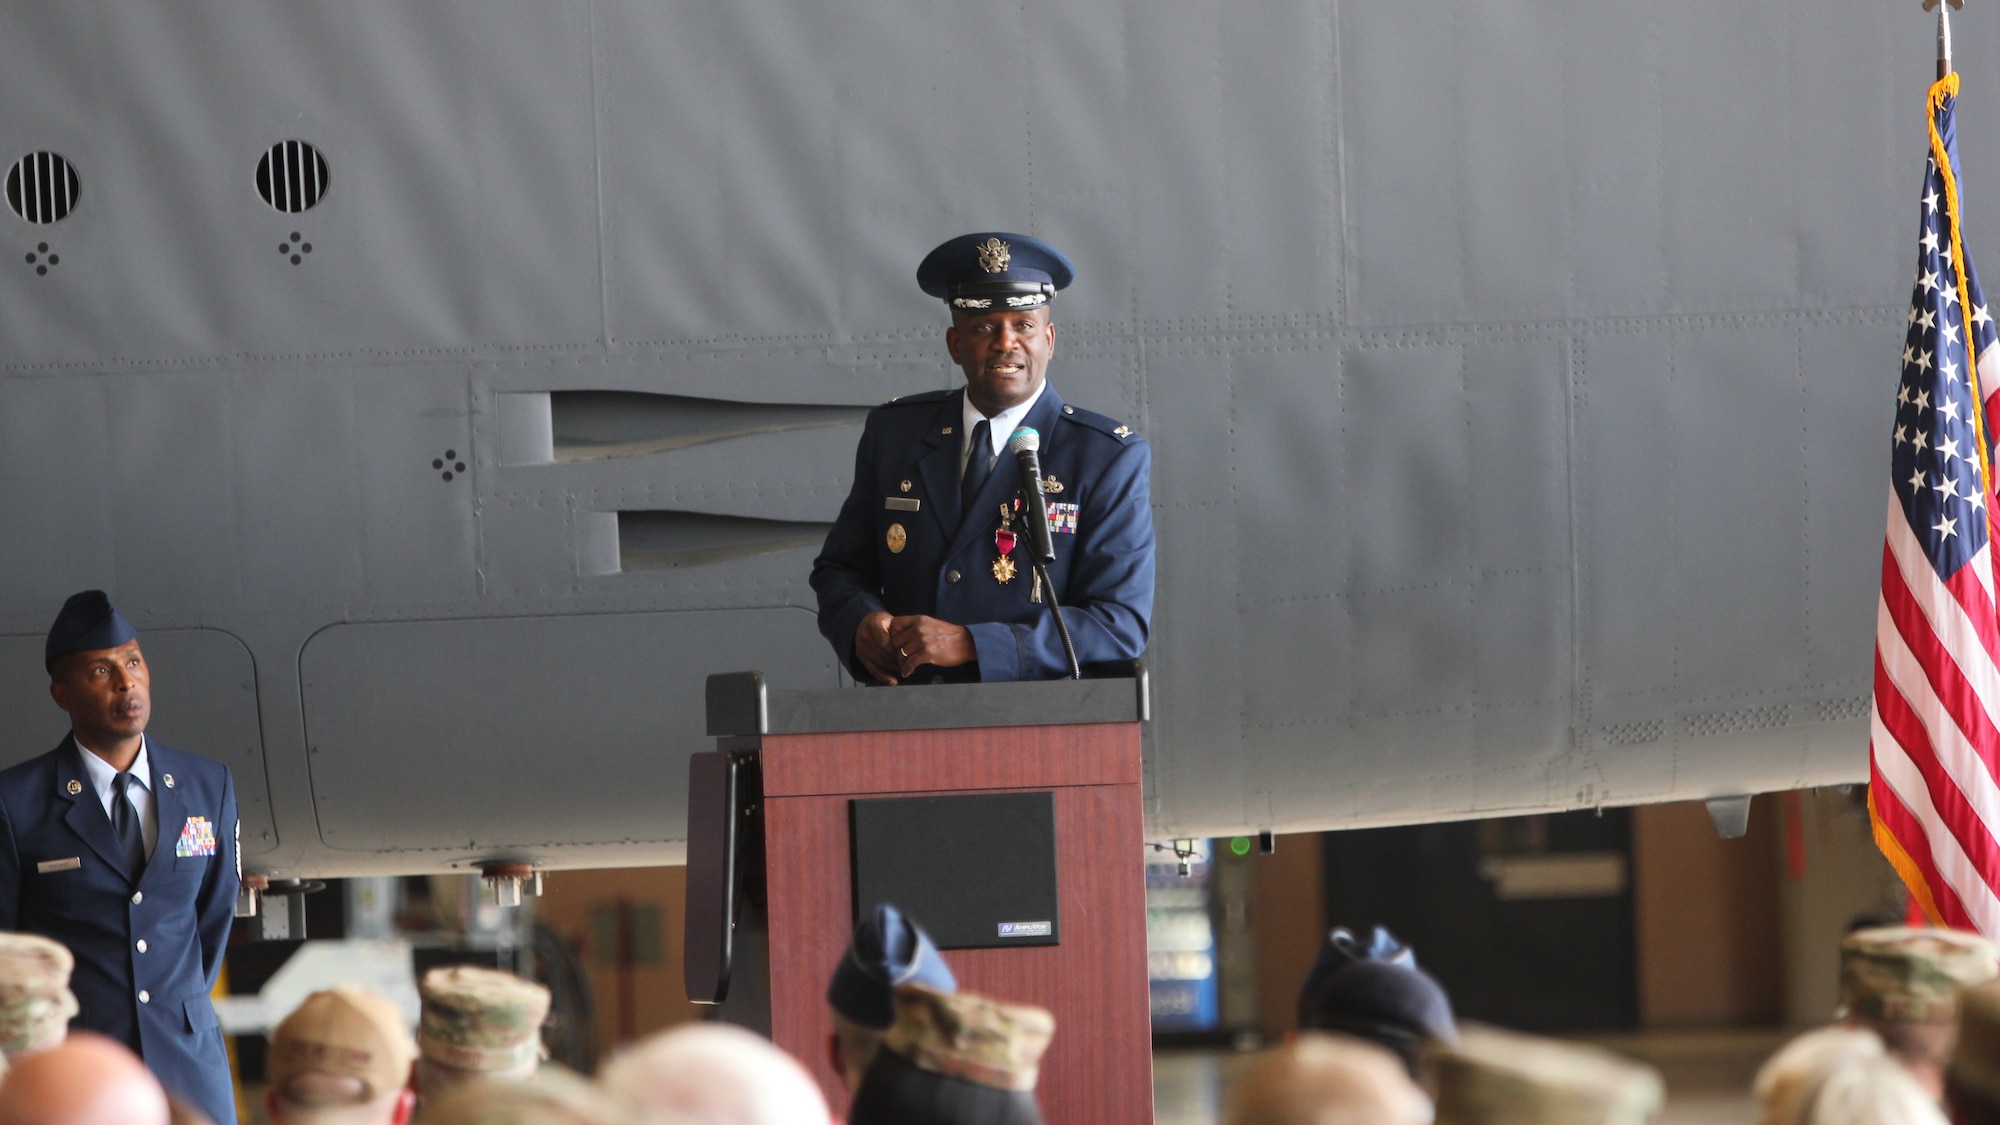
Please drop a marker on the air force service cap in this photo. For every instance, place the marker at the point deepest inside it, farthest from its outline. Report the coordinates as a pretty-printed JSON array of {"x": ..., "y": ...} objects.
[
  {"x": 993, "y": 271},
  {"x": 888, "y": 949},
  {"x": 88, "y": 622}
]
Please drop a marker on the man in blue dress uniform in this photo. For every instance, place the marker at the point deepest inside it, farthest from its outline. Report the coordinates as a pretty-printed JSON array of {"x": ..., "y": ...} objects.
[
  {"x": 925, "y": 575},
  {"x": 124, "y": 850}
]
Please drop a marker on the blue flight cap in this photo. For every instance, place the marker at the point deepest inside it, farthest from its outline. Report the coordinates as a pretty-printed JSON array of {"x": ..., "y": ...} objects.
[
  {"x": 994, "y": 271},
  {"x": 1397, "y": 1006},
  {"x": 1342, "y": 949},
  {"x": 888, "y": 949},
  {"x": 88, "y": 622}
]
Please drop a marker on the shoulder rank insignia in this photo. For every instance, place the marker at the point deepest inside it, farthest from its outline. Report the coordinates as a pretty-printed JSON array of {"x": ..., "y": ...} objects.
[{"x": 1122, "y": 431}]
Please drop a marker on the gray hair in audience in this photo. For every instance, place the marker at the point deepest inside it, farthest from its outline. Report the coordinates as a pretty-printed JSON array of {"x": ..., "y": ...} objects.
[{"x": 713, "y": 1074}]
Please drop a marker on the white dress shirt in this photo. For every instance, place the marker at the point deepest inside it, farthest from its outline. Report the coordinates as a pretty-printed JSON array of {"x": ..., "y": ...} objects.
[
  {"x": 140, "y": 792},
  {"x": 1003, "y": 424}
]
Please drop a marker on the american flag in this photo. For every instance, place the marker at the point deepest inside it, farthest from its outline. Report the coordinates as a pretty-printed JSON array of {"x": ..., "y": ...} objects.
[{"x": 1935, "y": 739}]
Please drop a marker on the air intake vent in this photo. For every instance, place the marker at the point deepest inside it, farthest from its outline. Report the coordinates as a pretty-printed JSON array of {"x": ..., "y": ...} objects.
[
  {"x": 608, "y": 425},
  {"x": 292, "y": 176},
  {"x": 42, "y": 187},
  {"x": 668, "y": 540}
]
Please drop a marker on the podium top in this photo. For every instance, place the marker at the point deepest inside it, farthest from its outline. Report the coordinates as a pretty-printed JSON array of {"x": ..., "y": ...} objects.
[{"x": 739, "y": 703}]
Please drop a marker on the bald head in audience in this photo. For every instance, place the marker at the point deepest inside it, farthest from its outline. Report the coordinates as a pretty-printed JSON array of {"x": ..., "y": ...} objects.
[
  {"x": 1323, "y": 1079},
  {"x": 88, "y": 1080},
  {"x": 717, "y": 1075}
]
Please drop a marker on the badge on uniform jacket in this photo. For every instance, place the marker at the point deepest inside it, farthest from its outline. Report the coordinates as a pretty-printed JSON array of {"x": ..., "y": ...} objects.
[
  {"x": 197, "y": 838},
  {"x": 1062, "y": 518}
]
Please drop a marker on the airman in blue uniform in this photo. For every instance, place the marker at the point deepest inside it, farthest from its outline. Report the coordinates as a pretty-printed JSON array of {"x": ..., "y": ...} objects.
[
  {"x": 124, "y": 849},
  {"x": 925, "y": 575}
]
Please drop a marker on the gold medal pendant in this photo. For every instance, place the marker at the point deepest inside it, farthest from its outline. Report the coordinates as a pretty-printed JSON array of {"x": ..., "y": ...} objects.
[{"x": 1003, "y": 569}]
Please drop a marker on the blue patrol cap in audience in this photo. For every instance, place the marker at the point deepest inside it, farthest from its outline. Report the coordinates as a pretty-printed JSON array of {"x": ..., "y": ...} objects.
[
  {"x": 1344, "y": 948},
  {"x": 88, "y": 622},
  {"x": 994, "y": 271},
  {"x": 889, "y": 949},
  {"x": 1400, "y": 1007}
]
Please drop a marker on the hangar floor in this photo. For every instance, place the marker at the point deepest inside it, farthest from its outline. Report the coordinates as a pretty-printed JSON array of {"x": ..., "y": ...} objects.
[{"x": 1707, "y": 1072}]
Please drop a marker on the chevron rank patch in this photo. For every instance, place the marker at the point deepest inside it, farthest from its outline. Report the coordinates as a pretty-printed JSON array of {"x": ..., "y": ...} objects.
[
  {"x": 1062, "y": 518},
  {"x": 197, "y": 838}
]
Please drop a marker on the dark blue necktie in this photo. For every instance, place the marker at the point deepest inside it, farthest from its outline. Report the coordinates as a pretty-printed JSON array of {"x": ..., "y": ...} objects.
[
  {"x": 125, "y": 822},
  {"x": 978, "y": 466}
]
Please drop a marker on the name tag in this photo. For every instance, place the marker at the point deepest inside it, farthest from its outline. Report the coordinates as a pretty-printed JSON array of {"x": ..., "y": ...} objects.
[
  {"x": 50, "y": 866},
  {"x": 197, "y": 838},
  {"x": 902, "y": 504}
]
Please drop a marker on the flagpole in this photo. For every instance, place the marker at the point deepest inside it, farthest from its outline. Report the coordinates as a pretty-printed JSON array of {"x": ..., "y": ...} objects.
[{"x": 1944, "y": 40}]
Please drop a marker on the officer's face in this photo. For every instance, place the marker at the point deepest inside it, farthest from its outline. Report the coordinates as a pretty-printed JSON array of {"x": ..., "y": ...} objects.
[
  {"x": 1005, "y": 355},
  {"x": 108, "y": 693}
]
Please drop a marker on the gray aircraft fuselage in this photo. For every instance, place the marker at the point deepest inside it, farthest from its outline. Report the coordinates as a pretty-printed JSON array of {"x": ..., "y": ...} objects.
[{"x": 1520, "y": 380}]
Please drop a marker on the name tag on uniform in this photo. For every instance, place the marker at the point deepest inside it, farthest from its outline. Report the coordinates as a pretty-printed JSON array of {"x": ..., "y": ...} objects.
[
  {"x": 902, "y": 503},
  {"x": 197, "y": 838},
  {"x": 50, "y": 866},
  {"x": 1062, "y": 518}
]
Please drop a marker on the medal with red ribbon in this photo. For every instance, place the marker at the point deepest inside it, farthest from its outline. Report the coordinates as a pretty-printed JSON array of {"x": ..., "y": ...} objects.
[{"x": 1003, "y": 542}]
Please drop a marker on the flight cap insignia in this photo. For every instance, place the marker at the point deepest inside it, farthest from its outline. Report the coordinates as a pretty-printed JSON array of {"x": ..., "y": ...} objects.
[
  {"x": 74, "y": 787},
  {"x": 898, "y": 538},
  {"x": 994, "y": 256}
]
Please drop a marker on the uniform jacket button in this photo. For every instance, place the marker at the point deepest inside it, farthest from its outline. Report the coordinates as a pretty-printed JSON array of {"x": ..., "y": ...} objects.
[
  {"x": 138, "y": 897},
  {"x": 951, "y": 576},
  {"x": 142, "y": 945},
  {"x": 145, "y": 997}
]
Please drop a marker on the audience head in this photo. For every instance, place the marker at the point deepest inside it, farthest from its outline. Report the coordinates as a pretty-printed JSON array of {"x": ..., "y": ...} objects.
[
  {"x": 888, "y": 949},
  {"x": 86, "y": 1080},
  {"x": 1497, "y": 1077},
  {"x": 715, "y": 1074},
  {"x": 955, "y": 1059},
  {"x": 554, "y": 1096},
  {"x": 1787, "y": 1080},
  {"x": 35, "y": 1000},
  {"x": 1389, "y": 1003},
  {"x": 477, "y": 1024},
  {"x": 341, "y": 1058},
  {"x": 1322, "y": 1079},
  {"x": 1972, "y": 1078},
  {"x": 1903, "y": 982},
  {"x": 1870, "y": 1091}
]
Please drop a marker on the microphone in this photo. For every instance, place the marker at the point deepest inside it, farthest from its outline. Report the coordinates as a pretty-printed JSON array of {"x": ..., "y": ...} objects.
[{"x": 1024, "y": 444}]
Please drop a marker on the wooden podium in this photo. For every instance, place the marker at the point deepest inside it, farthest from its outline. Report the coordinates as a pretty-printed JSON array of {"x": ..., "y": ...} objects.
[{"x": 772, "y": 875}]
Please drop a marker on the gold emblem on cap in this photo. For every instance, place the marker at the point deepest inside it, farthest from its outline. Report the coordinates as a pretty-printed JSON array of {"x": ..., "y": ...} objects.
[
  {"x": 74, "y": 787},
  {"x": 1051, "y": 485},
  {"x": 994, "y": 255},
  {"x": 898, "y": 538}
]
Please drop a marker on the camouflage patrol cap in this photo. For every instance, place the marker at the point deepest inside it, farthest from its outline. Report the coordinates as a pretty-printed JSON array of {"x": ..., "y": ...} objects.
[
  {"x": 480, "y": 1019},
  {"x": 975, "y": 1038},
  {"x": 1495, "y": 1077},
  {"x": 35, "y": 1000},
  {"x": 1975, "y": 1060},
  {"x": 1911, "y": 974}
]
